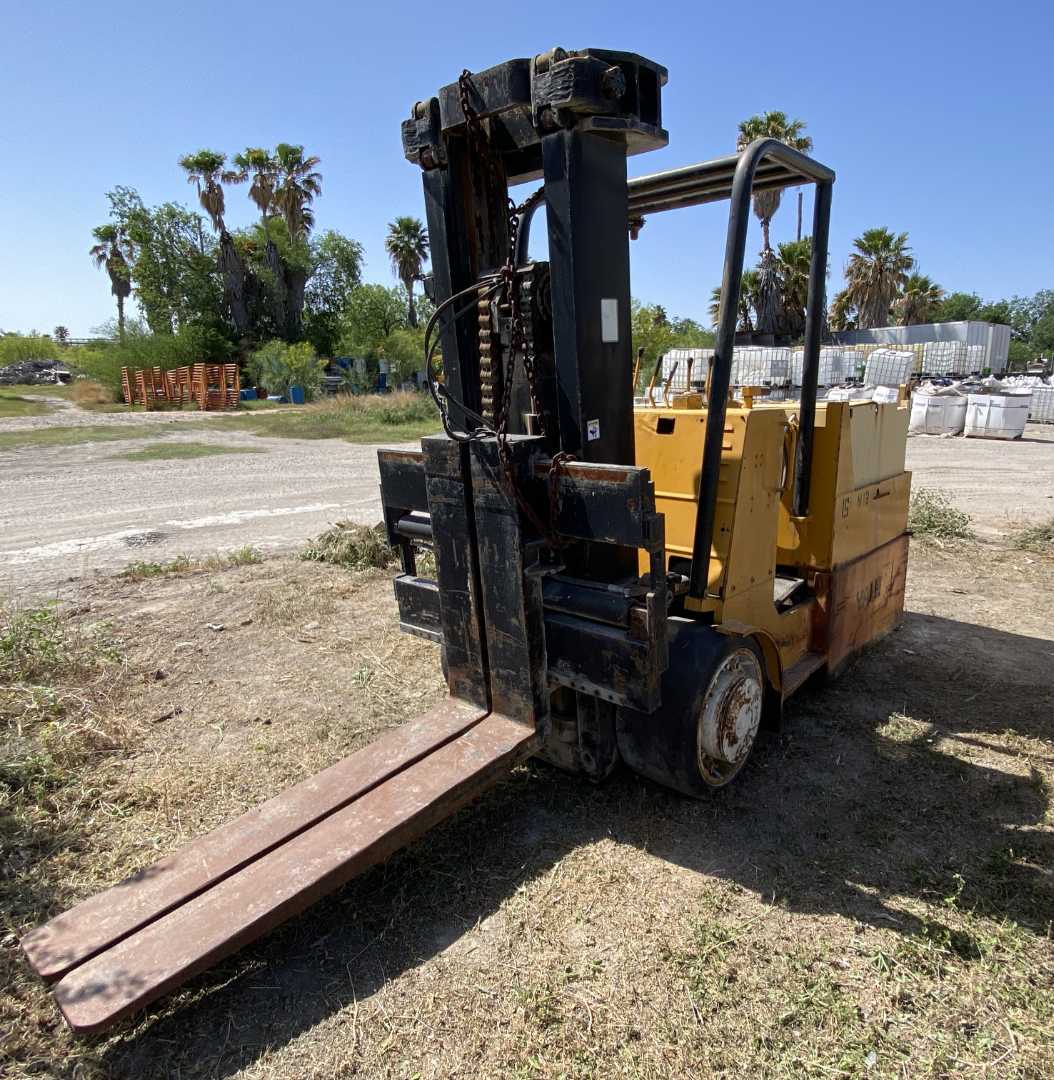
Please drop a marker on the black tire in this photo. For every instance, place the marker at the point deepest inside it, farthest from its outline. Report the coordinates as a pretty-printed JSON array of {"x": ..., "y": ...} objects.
[{"x": 671, "y": 745}]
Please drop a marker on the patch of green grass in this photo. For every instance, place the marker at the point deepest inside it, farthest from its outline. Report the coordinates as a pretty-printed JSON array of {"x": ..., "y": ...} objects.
[
  {"x": 369, "y": 418},
  {"x": 184, "y": 564},
  {"x": 355, "y": 547},
  {"x": 16, "y": 405},
  {"x": 59, "y": 390},
  {"x": 931, "y": 516},
  {"x": 1039, "y": 539},
  {"x": 74, "y": 436},
  {"x": 166, "y": 451}
]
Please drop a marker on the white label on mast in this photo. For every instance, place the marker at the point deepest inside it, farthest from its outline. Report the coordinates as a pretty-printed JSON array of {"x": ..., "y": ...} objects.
[{"x": 609, "y": 321}]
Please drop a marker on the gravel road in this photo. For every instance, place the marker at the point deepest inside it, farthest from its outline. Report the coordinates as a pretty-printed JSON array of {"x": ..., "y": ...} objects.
[{"x": 71, "y": 511}]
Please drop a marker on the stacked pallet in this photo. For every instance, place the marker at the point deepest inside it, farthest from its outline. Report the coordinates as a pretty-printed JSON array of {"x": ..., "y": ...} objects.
[{"x": 209, "y": 386}]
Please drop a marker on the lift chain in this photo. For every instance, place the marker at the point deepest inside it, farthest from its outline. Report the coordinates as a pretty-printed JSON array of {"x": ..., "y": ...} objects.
[{"x": 508, "y": 304}]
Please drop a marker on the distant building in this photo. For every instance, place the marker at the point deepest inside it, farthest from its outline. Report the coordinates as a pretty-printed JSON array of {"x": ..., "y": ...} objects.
[{"x": 994, "y": 338}]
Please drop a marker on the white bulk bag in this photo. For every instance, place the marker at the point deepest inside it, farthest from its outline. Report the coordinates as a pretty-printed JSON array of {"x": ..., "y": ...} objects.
[
  {"x": 997, "y": 416},
  {"x": 937, "y": 414}
]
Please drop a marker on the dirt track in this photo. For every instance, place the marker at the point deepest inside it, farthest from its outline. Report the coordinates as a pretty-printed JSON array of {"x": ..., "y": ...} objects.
[
  {"x": 67, "y": 512},
  {"x": 70, "y": 511}
]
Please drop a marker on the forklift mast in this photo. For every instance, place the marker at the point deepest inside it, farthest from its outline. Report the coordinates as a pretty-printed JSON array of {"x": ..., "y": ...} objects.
[{"x": 531, "y": 500}]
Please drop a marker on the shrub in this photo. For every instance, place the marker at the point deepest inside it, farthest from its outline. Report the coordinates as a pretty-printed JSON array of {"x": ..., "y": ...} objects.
[
  {"x": 931, "y": 516},
  {"x": 278, "y": 366},
  {"x": 15, "y": 348},
  {"x": 191, "y": 345}
]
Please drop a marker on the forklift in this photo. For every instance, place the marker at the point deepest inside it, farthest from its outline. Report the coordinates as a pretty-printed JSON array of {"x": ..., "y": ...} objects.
[{"x": 613, "y": 583}]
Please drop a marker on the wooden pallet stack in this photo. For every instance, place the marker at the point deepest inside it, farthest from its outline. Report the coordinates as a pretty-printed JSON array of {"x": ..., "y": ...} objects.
[{"x": 209, "y": 386}]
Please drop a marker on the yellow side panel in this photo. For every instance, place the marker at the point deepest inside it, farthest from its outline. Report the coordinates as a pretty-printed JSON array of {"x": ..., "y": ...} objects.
[
  {"x": 753, "y": 467},
  {"x": 859, "y": 495}
]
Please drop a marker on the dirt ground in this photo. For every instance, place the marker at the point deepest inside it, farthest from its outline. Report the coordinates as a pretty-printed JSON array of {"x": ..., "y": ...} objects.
[
  {"x": 872, "y": 897},
  {"x": 76, "y": 510}
]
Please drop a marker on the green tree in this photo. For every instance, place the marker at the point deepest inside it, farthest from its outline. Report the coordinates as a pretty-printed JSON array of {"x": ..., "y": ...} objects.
[
  {"x": 61, "y": 335},
  {"x": 112, "y": 249},
  {"x": 371, "y": 314},
  {"x": 336, "y": 270},
  {"x": 957, "y": 307},
  {"x": 407, "y": 247},
  {"x": 876, "y": 274},
  {"x": 919, "y": 301},
  {"x": 174, "y": 275},
  {"x": 771, "y": 125},
  {"x": 656, "y": 333}
]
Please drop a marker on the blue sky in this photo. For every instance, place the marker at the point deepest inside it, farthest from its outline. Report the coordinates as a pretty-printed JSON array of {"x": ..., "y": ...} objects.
[{"x": 937, "y": 116}]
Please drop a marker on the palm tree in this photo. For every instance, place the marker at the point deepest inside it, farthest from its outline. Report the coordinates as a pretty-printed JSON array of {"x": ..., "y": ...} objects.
[
  {"x": 296, "y": 188},
  {"x": 263, "y": 168},
  {"x": 919, "y": 301},
  {"x": 843, "y": 313},
  {"x": 771, "y": 125},
  {"x": 407, "y": 247},
  {"x": 876, "y": 274},
  {"x": 748, "y": 297},
  {"x": 205, "y": 170},
  {"x": 793, "y": 260},
  {"x": 113, "y": 249}
]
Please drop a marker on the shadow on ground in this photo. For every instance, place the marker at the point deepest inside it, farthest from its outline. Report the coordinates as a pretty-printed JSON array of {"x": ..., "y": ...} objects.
[{"x": 844, "y": 811}]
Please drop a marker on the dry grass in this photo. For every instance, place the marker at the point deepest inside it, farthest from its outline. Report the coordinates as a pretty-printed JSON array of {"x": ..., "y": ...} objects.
[
  {"x": 1039, "y": 538},
  {"x": 88, "y": 392},
  {"x": 62, "y": 728},
  {"x": 872, "y": 898}
]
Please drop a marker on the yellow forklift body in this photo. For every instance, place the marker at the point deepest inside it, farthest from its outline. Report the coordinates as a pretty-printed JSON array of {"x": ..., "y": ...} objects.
[{"x": 853, "y": 536}]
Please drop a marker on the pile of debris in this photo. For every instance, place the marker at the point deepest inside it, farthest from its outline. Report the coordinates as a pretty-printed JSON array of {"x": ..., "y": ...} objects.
[{"x": 35, "y": 373}]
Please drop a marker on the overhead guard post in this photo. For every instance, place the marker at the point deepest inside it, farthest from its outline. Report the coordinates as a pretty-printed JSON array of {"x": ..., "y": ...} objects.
[{"x": 747, "y": 166}]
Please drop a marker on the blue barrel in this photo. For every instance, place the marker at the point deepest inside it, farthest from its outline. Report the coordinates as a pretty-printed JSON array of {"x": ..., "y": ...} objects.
[
  {"x": 296, "y": 395},
  {"x": 248, "y": 394}
]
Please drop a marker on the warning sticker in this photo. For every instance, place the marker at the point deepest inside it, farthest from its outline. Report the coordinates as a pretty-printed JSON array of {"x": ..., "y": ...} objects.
[{"x": 592, "y": 430}]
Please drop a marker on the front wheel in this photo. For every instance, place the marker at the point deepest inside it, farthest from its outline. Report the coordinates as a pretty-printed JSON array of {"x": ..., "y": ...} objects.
[{"x": 713, "y": 698}]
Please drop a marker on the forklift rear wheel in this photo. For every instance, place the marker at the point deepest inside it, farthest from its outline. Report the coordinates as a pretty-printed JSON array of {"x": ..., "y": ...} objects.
[{"x": 713, "y": 698}]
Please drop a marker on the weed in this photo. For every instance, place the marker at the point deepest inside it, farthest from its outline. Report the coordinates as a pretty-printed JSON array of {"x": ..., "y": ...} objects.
[
  {"x": 1039, "y": 539},
  {"x": 931, "y": 516},
  {"x": 355, "y": 547},
  {"x": 183, "y": 564},
  {"x": 243, "y": 556}
]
